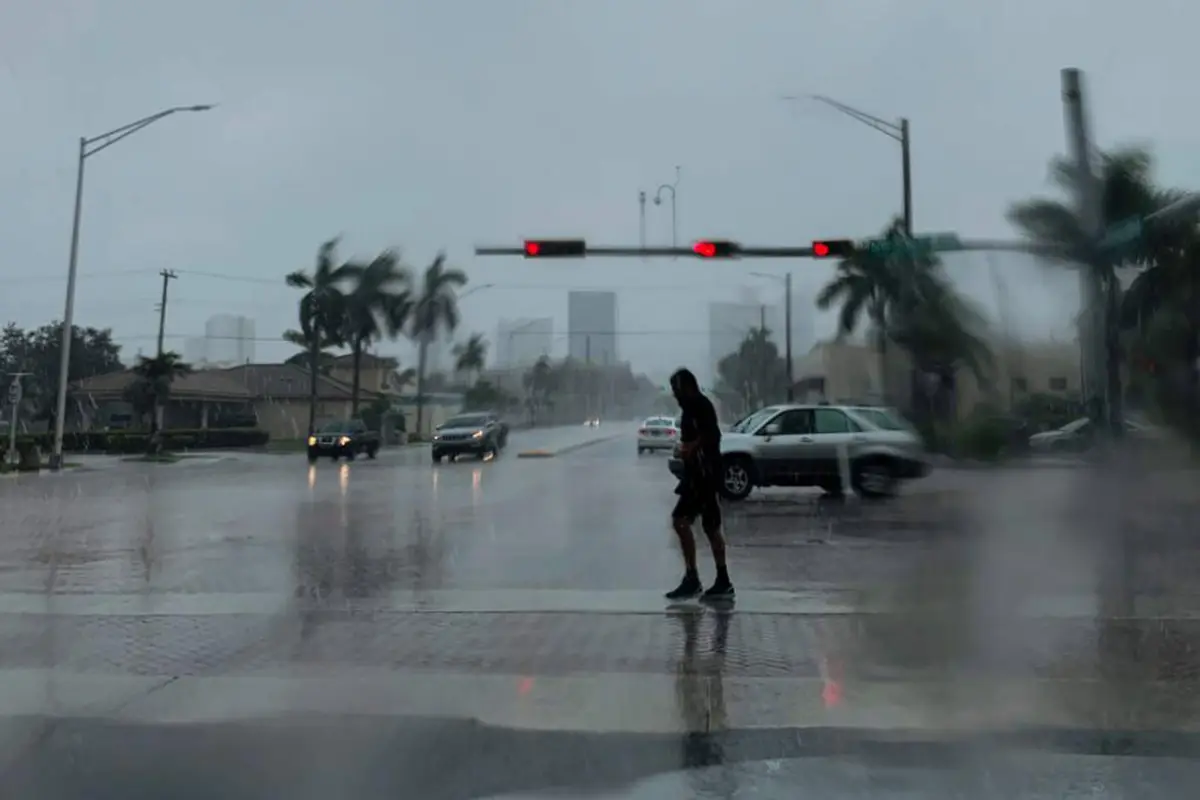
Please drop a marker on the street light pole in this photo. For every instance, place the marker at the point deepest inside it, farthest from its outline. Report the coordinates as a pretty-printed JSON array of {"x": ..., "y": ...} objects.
[
  {"x": 894, "y": 130},
  {"x": 641, "y": 218},
  {"x": 87, "y": 149},
  {"x": 672, "y": 188}
]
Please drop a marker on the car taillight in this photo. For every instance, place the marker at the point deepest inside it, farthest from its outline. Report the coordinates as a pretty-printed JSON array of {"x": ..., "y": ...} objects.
[{"x": 671, "y": 432}]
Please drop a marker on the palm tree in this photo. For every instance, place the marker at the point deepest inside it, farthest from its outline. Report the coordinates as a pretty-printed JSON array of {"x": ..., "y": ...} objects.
[
  {"x": 869, "y": 283},
  {"x": 471, "y": 355},
  {"x": 755, "y": 374},
  {"x": 378, "y": 303},
  {"x": 1127, "y": 190},
  {"x": 321, "y": 313},
  {"x": 151, "y": 388},
  {"x": 434, "y": 309},
  {"x": 910, "y": 302},
  {"x": 540, "y": 383}
]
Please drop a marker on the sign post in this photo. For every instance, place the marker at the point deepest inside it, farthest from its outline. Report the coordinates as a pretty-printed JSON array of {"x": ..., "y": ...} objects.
[{"x": 14, "y": 404}]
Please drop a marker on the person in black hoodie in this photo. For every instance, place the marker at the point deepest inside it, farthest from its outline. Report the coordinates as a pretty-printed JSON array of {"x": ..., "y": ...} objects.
[{"x": 699, "y": 489}]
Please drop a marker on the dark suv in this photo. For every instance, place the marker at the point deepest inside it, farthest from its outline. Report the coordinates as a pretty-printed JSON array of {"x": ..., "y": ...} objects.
[
  {"x": 343, "y": 439},
  {"x": 476, "y": 434}
]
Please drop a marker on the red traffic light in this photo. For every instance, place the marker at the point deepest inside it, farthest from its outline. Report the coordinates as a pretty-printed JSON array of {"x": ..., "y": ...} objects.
[
  {"x": 833, "y": 248},
  {"x": 715, "y": 249},
  {"x": 555, "y": 248}
]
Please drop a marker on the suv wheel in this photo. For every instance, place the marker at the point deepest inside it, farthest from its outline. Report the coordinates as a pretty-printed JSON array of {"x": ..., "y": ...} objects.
[
  {"x": 737, "y": 478},
  {"x": 875, "y": 478}
]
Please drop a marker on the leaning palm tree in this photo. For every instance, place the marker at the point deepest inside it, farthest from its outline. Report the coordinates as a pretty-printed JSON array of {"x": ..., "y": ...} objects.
[
  {"x": 1127, "y": 191},
  {"x": 471, "y": 355},
  {"x": 321, "y": 313},
  {"x": 375, "y": 305},
  {"x": 434, "y": 310},
  {"x": 871, "y": 284}
]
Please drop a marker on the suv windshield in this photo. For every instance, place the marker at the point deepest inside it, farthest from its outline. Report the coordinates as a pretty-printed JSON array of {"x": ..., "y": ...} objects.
[
  {"x": 341, "y": 426},
  {"x": 748, "y": 424},
  {"x": 466, "y": 421}
]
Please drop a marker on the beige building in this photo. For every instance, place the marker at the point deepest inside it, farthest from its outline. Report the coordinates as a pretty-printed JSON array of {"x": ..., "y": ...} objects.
[{"x": 848, "y": 372}]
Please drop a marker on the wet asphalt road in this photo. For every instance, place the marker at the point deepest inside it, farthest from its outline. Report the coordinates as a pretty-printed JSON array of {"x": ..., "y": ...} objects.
[{"x": 971, "y": 604}]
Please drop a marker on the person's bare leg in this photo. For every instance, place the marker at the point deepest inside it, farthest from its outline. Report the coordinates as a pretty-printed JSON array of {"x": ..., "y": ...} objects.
[
  {"x": 690, "y": 586},
  {"x": 687, "y": 542},
  {"x": 716, "y": 541},
  {"x": 711, "y": 520}
]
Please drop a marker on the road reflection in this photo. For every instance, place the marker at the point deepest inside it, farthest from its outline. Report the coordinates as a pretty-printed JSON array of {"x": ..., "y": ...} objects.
[{"x": 700, "y": 696}]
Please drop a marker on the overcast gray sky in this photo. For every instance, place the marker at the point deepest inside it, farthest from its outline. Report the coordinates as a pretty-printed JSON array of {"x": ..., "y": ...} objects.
[{"x": 440, "y": 125}]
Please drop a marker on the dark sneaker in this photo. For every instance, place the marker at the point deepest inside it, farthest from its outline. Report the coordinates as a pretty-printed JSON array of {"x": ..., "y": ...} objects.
[
  {"x": 690, "y": 586},
  {"x": 721, "y": 590}
]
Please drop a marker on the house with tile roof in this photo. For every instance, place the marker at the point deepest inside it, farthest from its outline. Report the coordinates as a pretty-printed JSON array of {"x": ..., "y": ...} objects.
[
  {"x": 282, "y": 392},
  {"x": 199, "y": 400}
]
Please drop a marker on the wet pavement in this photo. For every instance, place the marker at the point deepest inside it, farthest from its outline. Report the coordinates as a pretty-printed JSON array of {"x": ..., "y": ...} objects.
[{"x": 400, "y": 605}]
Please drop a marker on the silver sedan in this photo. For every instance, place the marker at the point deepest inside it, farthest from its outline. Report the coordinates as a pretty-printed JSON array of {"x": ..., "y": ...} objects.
[{"x": 657, "y": 433}]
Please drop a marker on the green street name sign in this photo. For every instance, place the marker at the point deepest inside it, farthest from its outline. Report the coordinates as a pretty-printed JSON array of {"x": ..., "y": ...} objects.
[{"x": 923, "y": 245}]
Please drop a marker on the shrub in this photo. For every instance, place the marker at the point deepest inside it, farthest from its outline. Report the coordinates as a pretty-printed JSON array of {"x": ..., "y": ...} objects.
[
  {"x": 983, "y": 437},
  {"x": 125, "y": 442}
]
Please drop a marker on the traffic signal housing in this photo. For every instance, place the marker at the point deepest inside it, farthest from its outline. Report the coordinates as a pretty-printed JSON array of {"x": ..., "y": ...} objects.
[
  {"x": 833, "y": 248},
  {"x": 716, "y": 249},
  {"x": 555, "y": 248}
]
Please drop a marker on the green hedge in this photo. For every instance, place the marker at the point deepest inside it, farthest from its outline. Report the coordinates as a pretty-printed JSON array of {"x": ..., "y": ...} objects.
[{"x": 119, "y": 442}]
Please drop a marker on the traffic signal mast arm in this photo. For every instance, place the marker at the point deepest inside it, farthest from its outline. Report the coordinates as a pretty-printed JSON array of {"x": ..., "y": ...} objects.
[{"x": 744, "y": 251}]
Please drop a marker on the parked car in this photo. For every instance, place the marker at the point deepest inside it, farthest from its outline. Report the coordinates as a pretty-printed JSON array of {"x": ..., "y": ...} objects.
[
  {"x": 343, "y": 439},
  {"x": 806, "y": 445},
  {"x": 477, "y": 434},
  {"x": 657, "y": 433},
  {"x": 1079, "y": 435}
]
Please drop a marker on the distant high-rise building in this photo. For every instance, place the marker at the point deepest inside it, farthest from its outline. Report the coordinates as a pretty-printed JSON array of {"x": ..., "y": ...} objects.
[
  {"x": 195, "y": 350},
  {"x": 228, "y": 340},
  {"x": 592, "y": 327},
  {"x": 521, "y": 342},
  {"x": 438, "y": 355}
]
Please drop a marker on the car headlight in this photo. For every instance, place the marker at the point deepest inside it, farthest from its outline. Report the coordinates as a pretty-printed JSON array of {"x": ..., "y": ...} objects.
[
  {"x": 312, "y": 440},
  {"x": 437, "y": 436},
  {"x": 345, "y": 440},
  {"x": 477, "y": 435}
]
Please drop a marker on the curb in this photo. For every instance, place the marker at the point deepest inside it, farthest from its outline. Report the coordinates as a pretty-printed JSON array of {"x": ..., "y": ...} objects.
[{"x": 541, "y": 453}]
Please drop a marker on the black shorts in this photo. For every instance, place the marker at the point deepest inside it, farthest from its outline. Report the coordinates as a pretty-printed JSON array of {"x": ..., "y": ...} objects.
[{"x": 698, "y": 500}]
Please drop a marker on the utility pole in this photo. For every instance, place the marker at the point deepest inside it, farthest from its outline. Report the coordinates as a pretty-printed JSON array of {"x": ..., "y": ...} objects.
[
  {"x": 167, "y": 277},
  {"x": 787, "y": 323},
  {"x": 587, "y": 359},
  {"x": 906, "y": 166},
  {"x": 14, "y": 401},
  {"x": 1101, "y": 391}
]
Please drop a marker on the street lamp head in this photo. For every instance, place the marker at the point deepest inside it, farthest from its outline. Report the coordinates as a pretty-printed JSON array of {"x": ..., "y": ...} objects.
[
  {"x": 657, "y": 200},
  {"x": 208, "y": 107}
]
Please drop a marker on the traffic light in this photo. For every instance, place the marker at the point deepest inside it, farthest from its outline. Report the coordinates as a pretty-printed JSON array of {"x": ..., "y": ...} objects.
[
  {"x": 555, "y": 248},
  {"x": 833, "y": 248},
  {"x": 716, "y": 249}
]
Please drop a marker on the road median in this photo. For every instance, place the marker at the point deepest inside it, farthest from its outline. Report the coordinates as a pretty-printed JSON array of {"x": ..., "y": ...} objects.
[{"x": 551, "y": 442}]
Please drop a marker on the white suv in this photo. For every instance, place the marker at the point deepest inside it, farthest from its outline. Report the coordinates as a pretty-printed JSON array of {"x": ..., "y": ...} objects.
[{"x": 811, "y": 445}]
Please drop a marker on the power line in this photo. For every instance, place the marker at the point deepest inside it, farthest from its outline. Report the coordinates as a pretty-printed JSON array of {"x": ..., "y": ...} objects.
[
  {"x": 81, "y": 276},
  {"x": 654, "y": 332}
]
